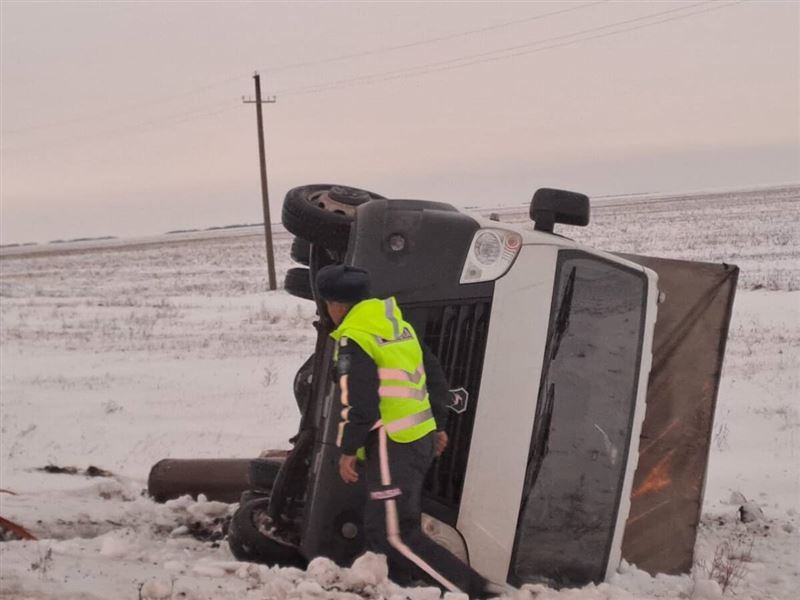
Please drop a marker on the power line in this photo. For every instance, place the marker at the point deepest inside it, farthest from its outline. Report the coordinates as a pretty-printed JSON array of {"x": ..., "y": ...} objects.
[
  {"x": 395, "y": 73},
  {"x": 505, "y": 53},
  {"x": 166, "y": 122},
  {"x": 419, "y": 70},
  {"x": 344, "y": 57},
  {"x": 124, "y": 109},
  {"x": 428, "y": 41}
]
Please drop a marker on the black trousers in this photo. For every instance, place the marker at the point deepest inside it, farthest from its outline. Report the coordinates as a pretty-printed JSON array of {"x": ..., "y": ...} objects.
[{"x": 395, "y": 474}]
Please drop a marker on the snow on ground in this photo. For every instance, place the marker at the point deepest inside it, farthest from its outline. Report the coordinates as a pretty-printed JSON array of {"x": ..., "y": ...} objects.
[{"x": 121, "y": 355}]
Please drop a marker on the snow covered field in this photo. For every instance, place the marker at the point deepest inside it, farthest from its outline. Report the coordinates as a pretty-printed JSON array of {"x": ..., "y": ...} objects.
[{"x": 121, "y": 354}]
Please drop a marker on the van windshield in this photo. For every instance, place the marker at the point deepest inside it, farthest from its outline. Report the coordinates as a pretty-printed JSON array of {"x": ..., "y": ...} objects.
[{"x": 579, "y": 448}]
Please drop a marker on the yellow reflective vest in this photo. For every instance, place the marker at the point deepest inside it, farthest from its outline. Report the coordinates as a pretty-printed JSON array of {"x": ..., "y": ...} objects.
[{"x": 377, "y": 326}]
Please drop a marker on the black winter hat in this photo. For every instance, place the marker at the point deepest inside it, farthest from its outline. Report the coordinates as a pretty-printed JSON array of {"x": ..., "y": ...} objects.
[{"x": 342, "y": 283}]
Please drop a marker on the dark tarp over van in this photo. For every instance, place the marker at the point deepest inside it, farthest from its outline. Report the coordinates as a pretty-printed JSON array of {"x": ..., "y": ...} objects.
[{"x": 688, "y": 348}]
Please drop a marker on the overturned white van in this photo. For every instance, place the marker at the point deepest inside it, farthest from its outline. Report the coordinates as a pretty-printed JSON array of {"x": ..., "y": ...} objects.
[{"x": 587, "y": 383}]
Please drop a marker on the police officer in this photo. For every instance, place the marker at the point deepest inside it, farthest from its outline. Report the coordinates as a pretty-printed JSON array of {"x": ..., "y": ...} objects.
[{"x": 386, "y": 382}]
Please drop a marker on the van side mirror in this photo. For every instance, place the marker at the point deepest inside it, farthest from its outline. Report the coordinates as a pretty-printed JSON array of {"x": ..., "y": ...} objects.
[{"x": 550, "y": 206}]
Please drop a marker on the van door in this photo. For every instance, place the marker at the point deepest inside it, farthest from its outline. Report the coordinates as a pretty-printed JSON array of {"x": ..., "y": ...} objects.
[
  {"x": 688, "y": 348},
  {"x": 589, "y": 411}
]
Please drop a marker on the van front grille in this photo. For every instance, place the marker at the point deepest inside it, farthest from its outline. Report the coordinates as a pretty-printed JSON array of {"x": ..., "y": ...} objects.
[{"x": 457, "y": 335}]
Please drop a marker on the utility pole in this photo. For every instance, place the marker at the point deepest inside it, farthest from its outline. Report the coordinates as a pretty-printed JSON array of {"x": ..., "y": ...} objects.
[{"x": 264, "y": 192}]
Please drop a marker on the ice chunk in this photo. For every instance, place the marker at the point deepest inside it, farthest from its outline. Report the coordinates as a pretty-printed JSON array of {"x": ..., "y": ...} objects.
[
  {"x": 737, "y": 498},
  {"x": 706, "y": 589},
  {"x": 203, "y": 511},
  {"x": 309, "y": 588},
  {"x": 368, "y": 569},
  {"x": 750, "y": 512},
  {"x": 181, "y": 503},
  {"x": 323, "y": 570}
]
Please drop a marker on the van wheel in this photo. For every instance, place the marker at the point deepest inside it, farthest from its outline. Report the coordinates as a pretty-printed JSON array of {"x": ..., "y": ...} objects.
[
  {"x": 300, "y": 251},
  {"x": 322, "y": 213},
  {"x": 298, "y": 283},
  {"x": 302, "y": 384},
  {"x": 251, "y": 537}
]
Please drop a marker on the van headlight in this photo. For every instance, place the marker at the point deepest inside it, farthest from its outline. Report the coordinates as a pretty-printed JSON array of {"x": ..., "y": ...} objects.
[{"x": 491, "y": 253}]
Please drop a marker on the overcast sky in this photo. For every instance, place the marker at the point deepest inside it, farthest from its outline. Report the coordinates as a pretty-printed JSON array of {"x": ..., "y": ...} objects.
[{"x": 126, "y": 118}]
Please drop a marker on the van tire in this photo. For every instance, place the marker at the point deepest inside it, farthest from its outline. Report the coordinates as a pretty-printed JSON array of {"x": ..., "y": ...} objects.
[
  {"x": 301, "y": 251},
  {"x": 298, "y": 283},
  {"x": 322, "y": 213},
  {"x": 248, "y": 543},
  {"x": 302, "y": 384}
]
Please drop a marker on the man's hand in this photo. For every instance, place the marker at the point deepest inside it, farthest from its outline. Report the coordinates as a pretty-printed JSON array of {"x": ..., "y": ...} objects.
[
  {"x": 440, "y": 442},
  {"x": 347, "y": 468}
]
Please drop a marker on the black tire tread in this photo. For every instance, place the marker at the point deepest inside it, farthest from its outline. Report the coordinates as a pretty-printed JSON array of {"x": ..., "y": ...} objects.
[
  {"x": 298, "y": 283},
  {"x": 300, "y": 251},
  {"x": 302, "y": 384},
  {"x": 321, "y": 227},
  {"x": 247, "y": 543}
]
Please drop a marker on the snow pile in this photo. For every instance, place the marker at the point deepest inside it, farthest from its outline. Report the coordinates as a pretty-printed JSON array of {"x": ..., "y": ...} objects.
[{"x": 366, "y": 578}]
